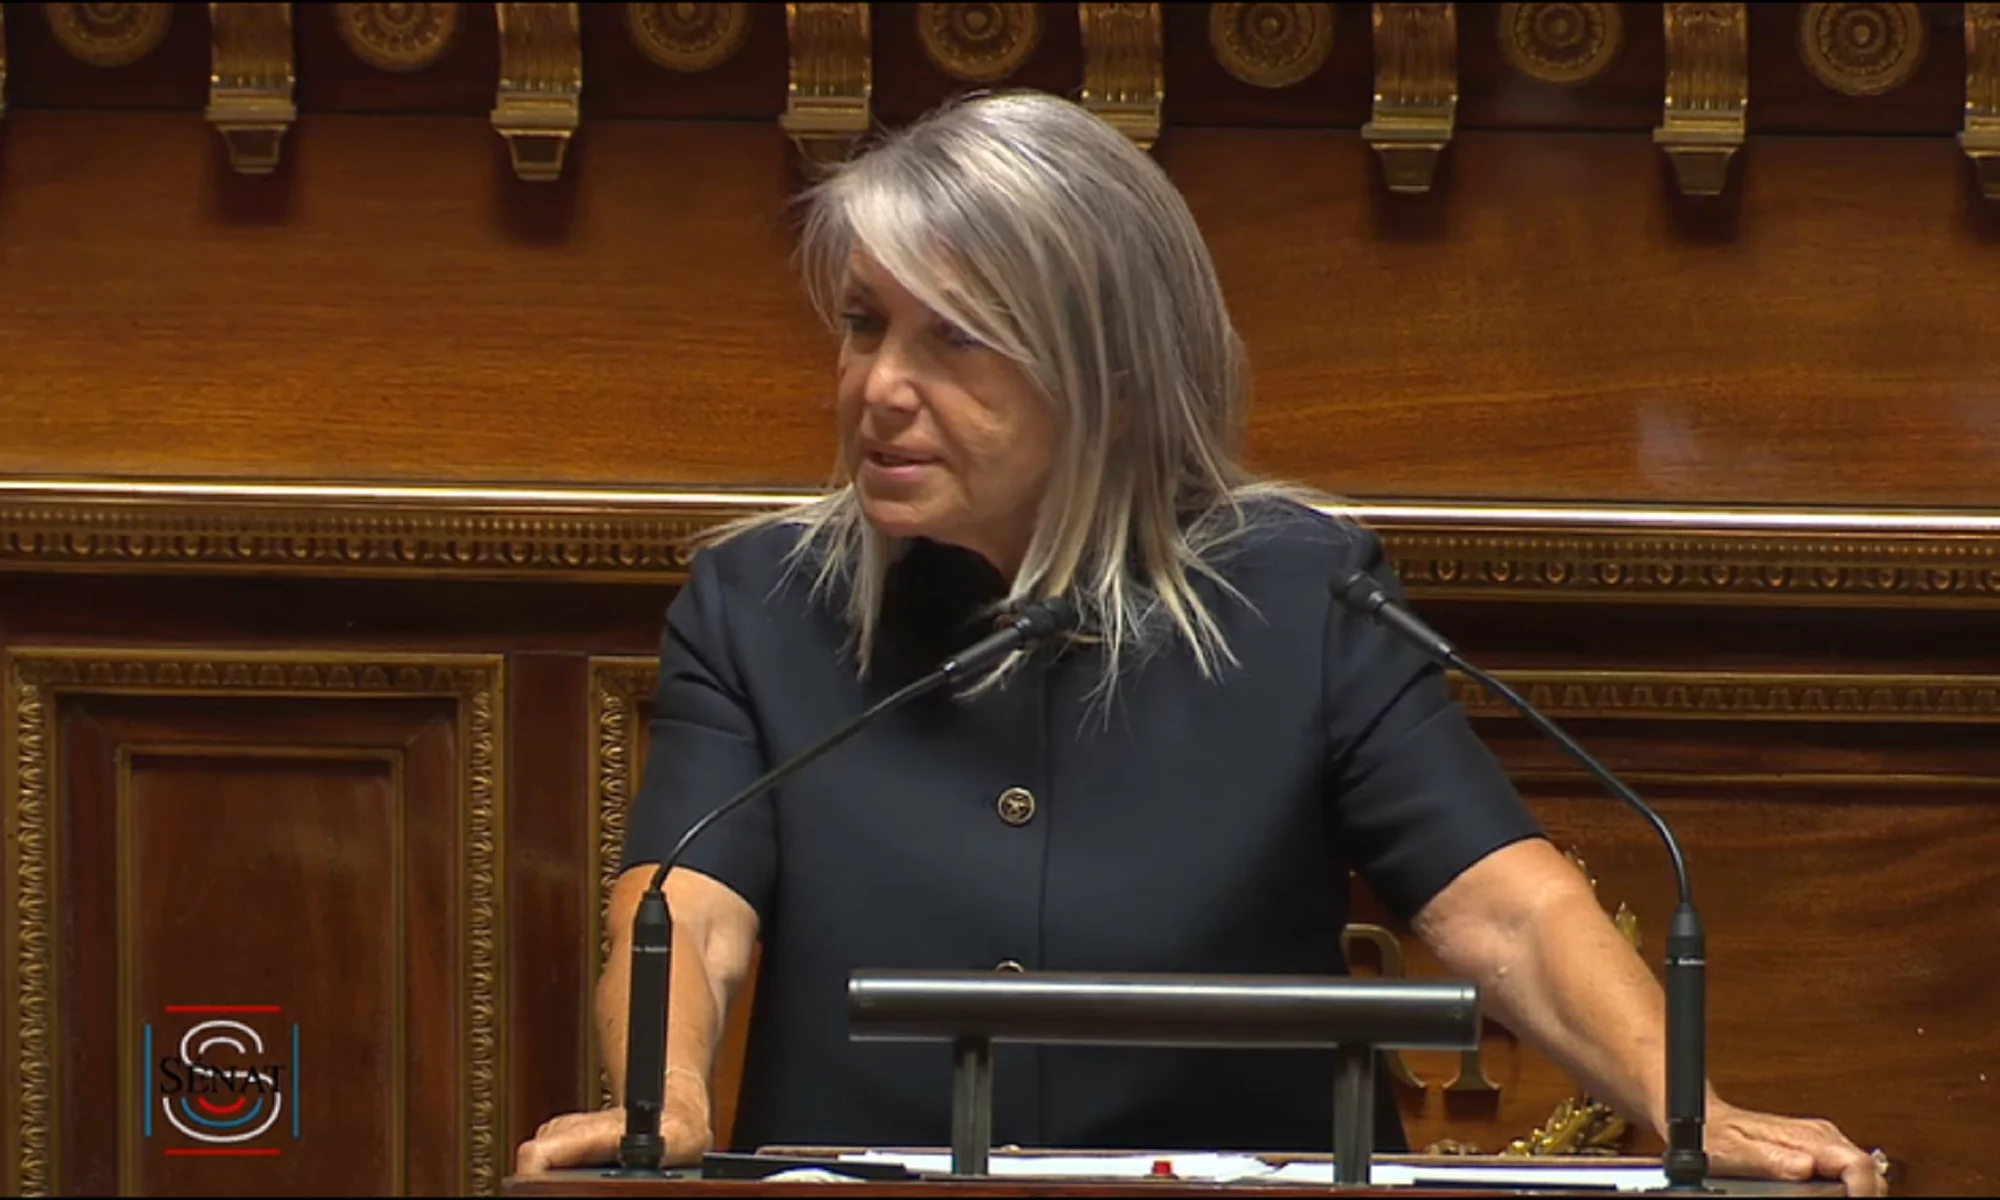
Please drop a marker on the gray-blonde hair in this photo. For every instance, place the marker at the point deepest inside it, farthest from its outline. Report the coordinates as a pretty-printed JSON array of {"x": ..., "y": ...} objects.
[{"x": 1048, "y": 236}]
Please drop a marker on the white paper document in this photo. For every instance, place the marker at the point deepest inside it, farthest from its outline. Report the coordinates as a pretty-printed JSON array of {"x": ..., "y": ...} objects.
[
  {"x": 1554, "y": 1175},
  {"x": 1212, "y": 1168},
  {"x": 1222, "y": 1168}
]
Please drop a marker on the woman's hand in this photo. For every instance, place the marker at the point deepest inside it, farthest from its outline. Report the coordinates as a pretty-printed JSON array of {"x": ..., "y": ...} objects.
[
  {"x": 1761, "y": 1146},
  {"x": 591, "y": 1138}
]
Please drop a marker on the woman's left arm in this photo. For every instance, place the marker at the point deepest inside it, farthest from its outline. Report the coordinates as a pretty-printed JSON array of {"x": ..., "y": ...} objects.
[{"x": 1525, "y": 925}]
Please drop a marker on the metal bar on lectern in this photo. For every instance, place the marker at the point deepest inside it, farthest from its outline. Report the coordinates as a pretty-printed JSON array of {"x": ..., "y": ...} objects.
[
  {"x": 971, "y": 1105},
  {"x": 974, "y": 1010},
  {"x": 1353, "y": 1113}
]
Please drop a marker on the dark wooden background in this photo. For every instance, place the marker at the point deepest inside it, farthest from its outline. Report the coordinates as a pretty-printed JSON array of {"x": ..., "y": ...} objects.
[{"x": 364, "y": 758}]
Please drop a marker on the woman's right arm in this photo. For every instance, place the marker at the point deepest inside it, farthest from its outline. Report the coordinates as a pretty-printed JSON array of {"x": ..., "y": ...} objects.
[{"x": 715, "y": 933}]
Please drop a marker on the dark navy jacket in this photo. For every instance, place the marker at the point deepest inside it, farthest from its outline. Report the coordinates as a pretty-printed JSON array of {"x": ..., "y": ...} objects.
[{"x": 1208, "y": 826}]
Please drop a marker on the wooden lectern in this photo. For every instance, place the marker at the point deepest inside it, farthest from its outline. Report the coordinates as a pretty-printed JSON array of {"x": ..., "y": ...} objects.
[{"x": 602, "y": 1182}]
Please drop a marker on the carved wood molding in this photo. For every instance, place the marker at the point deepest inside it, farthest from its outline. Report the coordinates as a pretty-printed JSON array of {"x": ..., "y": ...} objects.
[
  {"x": 1597, "y": 554},
  {"x": 1271, "y": 45},
  {"x": 1124, "y": 75},
  {"x": 37, "y": 678},
  {"x": 1416, "y": 91},
  {"x": 1735, "y": 696},
  {"x": 831, "y": 79},
  {"x": 1981, "y": 136},
  {"x": 398, "y": 37},
  {"x": 1707, "y": 94},
  {"x": 618, "y": 684},
  {"x": 539, "y": 103},
  {"x": 250, "y": 81}
]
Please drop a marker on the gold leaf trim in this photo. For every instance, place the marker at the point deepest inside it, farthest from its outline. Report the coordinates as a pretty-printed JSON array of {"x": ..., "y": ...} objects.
[
  {"x": 1980, "y": 138},
  {"x": 398, "y": 37},
  {"x": 1611, "y": 554},
  {"x": 1564, "y": 44},
  {"x": 1707, "y": 93},
  {"x": 1271, "y": 45},
  {"x": 250, "y": 82},
  {"x": 1862, "y": 49},
  {"x": 831, "y": 79},
  {"x": 1743, "y": 696},
  {"x": 109, "y": 35},
  {"x": 979, "y": 43},
  {"x": 35, "y": 1014},
  {"x": 1124, "y": 78},
  {"x": 690, "y": 38},
  {"x": 37, "y": 677},
  {"x": 617, "y": 686},
  {"x": 1416, "y": 91},
  {"x": 539, "y": 102}
]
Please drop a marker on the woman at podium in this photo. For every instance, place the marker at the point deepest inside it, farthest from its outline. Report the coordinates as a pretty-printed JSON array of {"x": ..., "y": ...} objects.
[{"x": 1039, "y": 393}]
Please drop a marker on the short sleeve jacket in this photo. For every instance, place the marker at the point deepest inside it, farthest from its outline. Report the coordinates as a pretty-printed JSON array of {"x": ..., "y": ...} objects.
[{"x": 1193, "y": 825}]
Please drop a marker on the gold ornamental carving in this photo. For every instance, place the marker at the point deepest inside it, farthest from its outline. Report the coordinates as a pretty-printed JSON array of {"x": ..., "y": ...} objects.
[
  {"x": 617, "y": 687},
  {"x": 109, "y": 35},
  {"x": 1565, "y": 44},
  {"x": 250, "y": 82},
  {"x": 1707, "y": 94},
  {"x": 1124, "y": 79},
  {"x": 37, "y": 677},
  {"x": 539, "y": 103},
  {"x": 1783, "y": 557},
  {"x": 690, "y": 38},
  {"x": 979, "y": 43},
  {"x": 1416, "y": 91},
  {"x": 1981, "y": 136},
  {"x": 1861, "y": 49},
  {"x": 1271, "y": 45},
  {"x": 831, "y": 79},
  {"x": 398, "y": 37}
]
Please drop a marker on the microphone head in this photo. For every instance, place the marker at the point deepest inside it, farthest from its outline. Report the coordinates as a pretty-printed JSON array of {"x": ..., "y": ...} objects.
[
  {"x": 1359, "y": 591},
  {"x": 1044, "y": 618}
]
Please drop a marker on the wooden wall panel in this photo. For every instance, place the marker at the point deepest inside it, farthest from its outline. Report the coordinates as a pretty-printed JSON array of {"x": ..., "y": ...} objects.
[
  {"x": 316, "y": 833},
  {"x": 1553, "y": 323}
]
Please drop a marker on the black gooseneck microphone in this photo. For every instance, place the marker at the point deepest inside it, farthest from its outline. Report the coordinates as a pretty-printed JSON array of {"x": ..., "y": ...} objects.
[
  {"x": 1685, "y": 1162},
  {"x": 641, "y": 1150}
]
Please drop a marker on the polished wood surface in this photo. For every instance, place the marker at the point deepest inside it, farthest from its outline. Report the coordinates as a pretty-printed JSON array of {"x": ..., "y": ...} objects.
[
  {"x": 214, "y": 900},
  {"x": 1552, "y": 323}
]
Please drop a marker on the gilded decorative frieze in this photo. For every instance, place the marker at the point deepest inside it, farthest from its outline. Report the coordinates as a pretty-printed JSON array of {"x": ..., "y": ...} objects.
[
  {"x": 688, "y": 37},
  {"x": 1981, "y": 136},
  {"x": 1861, "y": 49},
  {"x": 1124, "y": 78},
  {"x": 616, "y": 688},
  {"x": 37, "y": 677},
  {"x": 1565, "y": 44},
  {"x": 1744, "y": 696},
  {"x": 1271, "y": 45},
  {"x": 250, "y": 81},
  {"x": 398, "y": 37},
  {"x": 1416, "y": 91},
  {"x": 831, "y": 80},
  {"x": 979, "y": 43},
  {"x": 540, "y": 100},
  {"x": 109, "y": 35},
  {"x": 1782, "y": 557},
  {"x": 1707, "y": 94}
]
